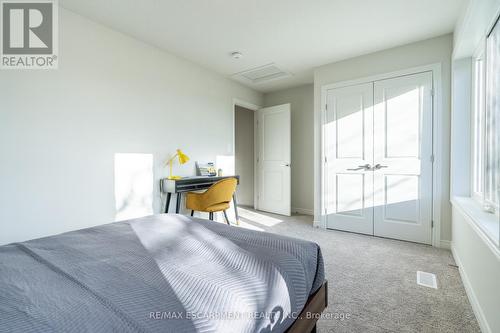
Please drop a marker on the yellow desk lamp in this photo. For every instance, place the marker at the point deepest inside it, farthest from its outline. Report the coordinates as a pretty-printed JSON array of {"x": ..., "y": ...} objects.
[{"x": 183, "y": 158}]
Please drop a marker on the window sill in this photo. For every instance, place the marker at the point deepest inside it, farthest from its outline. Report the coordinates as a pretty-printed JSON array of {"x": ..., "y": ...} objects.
[{"x": 488, "y": 224}]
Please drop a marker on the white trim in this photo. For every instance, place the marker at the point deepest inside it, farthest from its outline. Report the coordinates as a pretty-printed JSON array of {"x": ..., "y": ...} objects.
[
  {"x": 245, "y": 104},
  {"x": 438, "y": 138},
  {"x": 478, "y": 55},
  {"x": 252, "y": 107},
  {"x": 322, "y": 191},
  {"x": 302, "y": 211},
  {"x": 476, "y": 307},
  {"x": 255, "y": 159},
  {"x": 445, "y": 244},
  {"x": 318, "y": 224},
  {"x": 379, "y": 77}
]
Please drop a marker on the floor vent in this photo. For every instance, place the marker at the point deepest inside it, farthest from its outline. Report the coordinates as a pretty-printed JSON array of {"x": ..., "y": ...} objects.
[
  {"x": 261, "y": 74},
  {"x": 427, "y": 279}
]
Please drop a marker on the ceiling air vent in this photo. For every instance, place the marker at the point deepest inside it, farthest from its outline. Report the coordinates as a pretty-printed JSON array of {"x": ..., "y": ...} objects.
[{"x": 261, "y": 74}]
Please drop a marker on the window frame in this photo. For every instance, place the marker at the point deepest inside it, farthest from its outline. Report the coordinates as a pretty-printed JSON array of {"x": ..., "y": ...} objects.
[
  {"x": 491, "y": 206},
  {"x": 478, "y": 103},
  {"x": 479, "y": 188}
]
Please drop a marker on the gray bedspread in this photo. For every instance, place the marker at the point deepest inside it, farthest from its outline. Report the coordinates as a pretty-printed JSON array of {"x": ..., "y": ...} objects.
[{"x": 163, "y": 273}]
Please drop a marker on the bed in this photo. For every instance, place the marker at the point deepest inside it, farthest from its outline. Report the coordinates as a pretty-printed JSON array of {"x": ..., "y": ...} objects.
[{"x": 162, "y": 273}]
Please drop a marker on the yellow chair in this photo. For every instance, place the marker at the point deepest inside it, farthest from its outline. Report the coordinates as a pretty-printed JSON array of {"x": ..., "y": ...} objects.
[{"x": 215, "y": 199}]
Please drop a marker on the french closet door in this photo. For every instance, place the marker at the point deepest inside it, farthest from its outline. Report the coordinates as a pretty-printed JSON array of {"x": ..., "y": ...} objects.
[
  {"x": 378, "y": 150},
  {"x": 348, "y": 142}
]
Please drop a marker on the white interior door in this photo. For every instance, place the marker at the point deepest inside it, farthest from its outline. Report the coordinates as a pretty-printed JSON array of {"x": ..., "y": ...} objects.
[
  {"x": 274, "y": 159},
  {"x": 403, "y": 154},
  {"x": 348, "y": 134},
  {"x": 378, "y": 158}
]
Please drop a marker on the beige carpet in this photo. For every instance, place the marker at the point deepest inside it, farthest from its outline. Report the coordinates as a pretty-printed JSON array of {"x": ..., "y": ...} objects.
[{"x": 372, "y": 281}]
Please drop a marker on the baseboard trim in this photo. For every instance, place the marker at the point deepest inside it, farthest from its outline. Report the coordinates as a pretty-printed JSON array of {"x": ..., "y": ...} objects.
[
  {"x": 445, "y": 244},
  {"x": 481, "y": 319},
  {"x": 318, "y": 224},
  {"x": 302, "y": 211}
]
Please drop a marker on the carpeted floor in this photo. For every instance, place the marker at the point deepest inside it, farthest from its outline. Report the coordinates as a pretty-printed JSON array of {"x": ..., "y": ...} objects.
[{"x": 372, "y": 281}]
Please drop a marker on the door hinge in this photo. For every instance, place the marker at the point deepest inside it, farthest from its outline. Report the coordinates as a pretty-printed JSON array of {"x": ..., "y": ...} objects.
[
  {"x": 326, "y": 159},
  {"x": 432, "y": 158},
  {"x": 326, "y": 106},
  {"x": 432, "y": 223},
  {"x": 432, "y": 92}
]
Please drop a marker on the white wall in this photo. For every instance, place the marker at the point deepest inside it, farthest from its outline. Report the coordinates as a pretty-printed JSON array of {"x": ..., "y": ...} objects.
[
  {"x": 476, "y": 20},
  {"x": 476, "y": 254},
  {"x": 436, "y": 50},
  {"x": 302, "y": 111},
  {"x": 461, "y": 131},
  {"x": 479, "y": 264},
  {"x": 244, "y": 154},
  {"x": 60, "y": 129}
]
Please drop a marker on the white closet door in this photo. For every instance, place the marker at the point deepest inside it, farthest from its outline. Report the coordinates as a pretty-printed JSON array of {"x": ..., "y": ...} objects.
[
  {"x": 402, "y": 141},
  {"x": 348, "y": 141}
]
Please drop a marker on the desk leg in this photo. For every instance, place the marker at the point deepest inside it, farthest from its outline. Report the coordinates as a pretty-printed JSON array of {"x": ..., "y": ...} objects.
[
  {"x": 236, "y": 209},
  {"x": 167, "y": 203},
  {"x": 178, "y": 203}
]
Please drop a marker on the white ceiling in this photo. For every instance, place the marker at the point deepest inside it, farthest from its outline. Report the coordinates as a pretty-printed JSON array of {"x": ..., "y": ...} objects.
[{"x": 296, "y": 35}]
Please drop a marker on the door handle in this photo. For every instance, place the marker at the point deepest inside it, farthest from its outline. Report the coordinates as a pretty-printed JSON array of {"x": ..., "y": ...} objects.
[
  {"x": 365, "y": 167},
  {"x": 286, "y": 165},
  {"x": 379, "y": 166}
]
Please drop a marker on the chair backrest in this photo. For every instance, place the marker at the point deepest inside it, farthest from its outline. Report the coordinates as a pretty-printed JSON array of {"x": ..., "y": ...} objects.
[{"x": 222, "y": 191}]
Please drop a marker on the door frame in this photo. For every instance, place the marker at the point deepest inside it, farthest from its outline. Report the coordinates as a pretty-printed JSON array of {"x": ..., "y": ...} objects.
[
  {"x": 437, "y": 138},
  {"x": 254, "y": 108}
]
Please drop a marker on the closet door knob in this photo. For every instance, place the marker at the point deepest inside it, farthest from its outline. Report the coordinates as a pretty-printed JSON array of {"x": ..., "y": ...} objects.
[
  {"x": 379, "y": 166},
  {"x": 365, "y": 167}
]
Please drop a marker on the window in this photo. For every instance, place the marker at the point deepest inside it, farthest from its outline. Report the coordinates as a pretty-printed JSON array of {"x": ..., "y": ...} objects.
[{"x": 486, "y": 123}]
